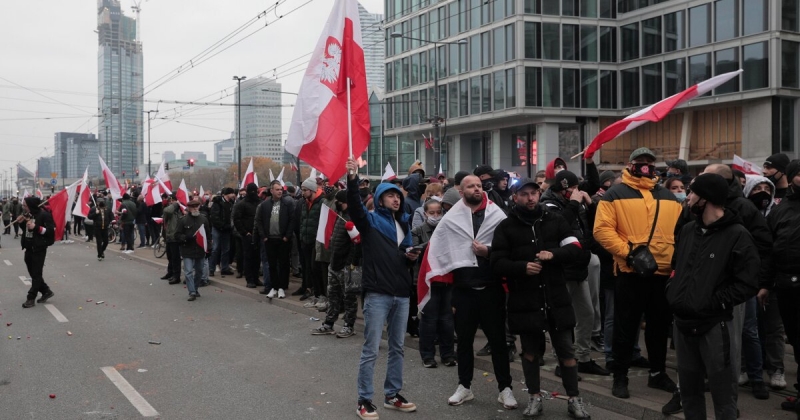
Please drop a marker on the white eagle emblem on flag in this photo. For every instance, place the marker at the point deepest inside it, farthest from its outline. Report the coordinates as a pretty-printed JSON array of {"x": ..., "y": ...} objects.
[{"x": 331, "y": 63}]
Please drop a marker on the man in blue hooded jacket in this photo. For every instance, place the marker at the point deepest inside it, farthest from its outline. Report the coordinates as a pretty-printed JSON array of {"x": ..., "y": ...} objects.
[{"x": 386, "y": 288}]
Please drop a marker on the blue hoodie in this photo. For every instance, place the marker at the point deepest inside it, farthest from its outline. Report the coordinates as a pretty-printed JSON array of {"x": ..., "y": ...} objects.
[{"x": 384, "y": 264}]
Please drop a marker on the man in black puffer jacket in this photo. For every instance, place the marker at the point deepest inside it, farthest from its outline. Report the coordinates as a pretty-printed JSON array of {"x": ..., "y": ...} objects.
[
  {"x": 221, "y": 229},
  {"x": 530, "y": 249},
  {"x": 38, "y": 233},
  {"x": 244, "y": 213}
]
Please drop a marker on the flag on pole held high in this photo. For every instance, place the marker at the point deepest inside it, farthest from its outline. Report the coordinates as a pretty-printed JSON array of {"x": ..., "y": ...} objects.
[
  {"x": 271, "y": 175},
  {"x": 39, "y": 194},
  {"x": 327, "y": 219},
  {"x": 655, "y": 112},
  {"x": 164, "y": 177},
  {"x": 183, "y": 193},
  {"x": 82, "y": 205},
  {"x": 25, "y": 194},
  {"x": 249, "y": 175},
  {"x": 112, "y": 185},
  {"x": 331, "y": 116},
  {"x": 388, "y": 173},
  {"x": 202, "y": 192},
  {"x": 280, "y": 178},
  {"x": 201, "y": 238},
  {"x": 294, "y": 167}
]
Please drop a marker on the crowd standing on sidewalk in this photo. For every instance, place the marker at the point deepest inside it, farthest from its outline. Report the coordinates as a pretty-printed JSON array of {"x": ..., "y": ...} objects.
[{"x": 711, "y": 262}]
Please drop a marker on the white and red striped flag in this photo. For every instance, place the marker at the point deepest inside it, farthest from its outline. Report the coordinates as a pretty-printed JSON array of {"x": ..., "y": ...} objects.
[
  {"x": 294, "y": 167},
  {"x": 164, "y": 177},
  {"x": 388, "y": 173},
  {"x": 280, "y": 178},
  {"x": 327, "y": 219},
  {"x": 25, "y": 194},
  {"x": 112, "y": 184},
  {"x": 745, "y": 166},
  {"x": 202, "y": 193},
  {"x": 655, "y": 112},
  {"x": 332, "y": 106},
  {"x": 158, "y": 220},
  {"x": 183, "y": 193},
  {"x": 61, "y": 208},
  {"x": 249, "y": 176},
  {"x": 201, "y": 238},
  {"x": 82, "y": 205}
]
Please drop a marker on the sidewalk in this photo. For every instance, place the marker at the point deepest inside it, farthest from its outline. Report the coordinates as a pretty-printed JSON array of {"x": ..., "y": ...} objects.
[{"x": 645, "y": 403}]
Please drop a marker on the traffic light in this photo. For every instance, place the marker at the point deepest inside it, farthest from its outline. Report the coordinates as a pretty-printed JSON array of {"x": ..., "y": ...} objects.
[
  {"x": 137, "y": 172},
  {"x": 191, "y": 162},
  {"x": 166, "y": 166},
  {"x": 123, "y": 174}
]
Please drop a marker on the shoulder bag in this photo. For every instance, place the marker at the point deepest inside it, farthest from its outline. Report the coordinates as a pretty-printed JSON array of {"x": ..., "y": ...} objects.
[{"x": 640, "y": 259}]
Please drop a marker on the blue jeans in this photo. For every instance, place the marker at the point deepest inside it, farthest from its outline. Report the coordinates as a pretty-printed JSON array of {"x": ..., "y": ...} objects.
[
  {"x": 220, "y": 250},
  {"x": 265, "y": 266},
  {"x": 192, "y": 270},
  {"x": 751, "y": 345},
  {"x": 608, "y": 330},
  {"x": 142, "y": 236},
  {"x": 380, "y": 308}
]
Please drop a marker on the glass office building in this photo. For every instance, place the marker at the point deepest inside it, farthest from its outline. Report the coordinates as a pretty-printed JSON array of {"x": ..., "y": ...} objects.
[{"x": 521, "y": 82}]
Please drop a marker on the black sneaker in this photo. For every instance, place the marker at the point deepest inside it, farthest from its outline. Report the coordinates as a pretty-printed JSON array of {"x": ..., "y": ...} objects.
[
  {"x": 485, "y": 351},
  {"x": 790, "y": 404},
  {"x": 175, "y": 281},
  {"x": 191, "y": 298},
  {"x": 367, "y": 410},
  {"x": 399, "y": 403},
  {"x": 429, "y": 363},
  {"x": 593, "y": 368},
  {"x": 674, "y": 405},
  {"x": 450, "y": 362},
  {"x": 640, "y": 362},
  {"x": 620, "y": 387},
  {"x": 46, "y": 296},
  {"x": 760, "y": 390},
  {"x": 227, "y": 272},
  {"x": 662, "y": 382},
  {"x": 166, "y": 277}
]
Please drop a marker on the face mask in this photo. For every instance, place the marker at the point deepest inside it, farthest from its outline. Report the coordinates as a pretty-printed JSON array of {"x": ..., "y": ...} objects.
[
  {"x": 196, "y": 213},
  {"x": 774, "y": 178},
  {"x": 487, "y": 185},
  {"x": 205, "y": 197},
  {"x": 433, "y": 221},
  {"x": 698, "y": 210},
  {"x": 339, "y": 207},
  {"x": 644, "y": 170},
  {"x": 761, "y": 199},
  {"x": 680, "y": 196},
  {"x": 672, "y": 175}
]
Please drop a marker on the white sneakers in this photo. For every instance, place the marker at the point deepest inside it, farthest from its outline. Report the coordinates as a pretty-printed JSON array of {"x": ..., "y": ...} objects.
[
  {"x": 281, "y": 293},
  {"x": 777, "y": 380},
  {"x": 506, "y": 398},
  {"x": 272, "y": 293},
  {"x": 743, "y": 378},
  {"x": 461, "y": 396}
]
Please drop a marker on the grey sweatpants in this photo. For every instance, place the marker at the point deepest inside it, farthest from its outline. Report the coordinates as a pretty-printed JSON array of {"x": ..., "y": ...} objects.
[{"x": 584, "y": 317}]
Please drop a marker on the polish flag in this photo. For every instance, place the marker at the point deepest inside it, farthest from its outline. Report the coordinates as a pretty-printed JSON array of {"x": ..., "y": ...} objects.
[
  {"x": 82, "y": 206},
  {"x": 150, "y": 191},
  {"x": 182, "y": 193},
  {"x": 745, "y": 166},
  {"x": 388, "y": 173},
  {"x": 61, "y": 208},
  {"x": 249, "y": 175},
  {"x": 202, "y": 193},
  {"x": 39, "y": 194},
  {"x": 111, "y": 181},
  {"x": 201, "y": 238},
  {"x": 294, "y": 167},
  {"x": 333, "y": 91},
  {"x": 655, "y": 112},
  {"x": 327, "y": 219},
  {"x": 158, "y": 220},
  {"x": 164, "y": 177},
  {"x": 280, "y": 178}
]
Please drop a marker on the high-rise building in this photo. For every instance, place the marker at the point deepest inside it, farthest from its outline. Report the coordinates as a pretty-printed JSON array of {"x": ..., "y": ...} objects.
[
  {"x": 74, "y": 152},
  {"x": 168, "y": 156},
  {"x": 372, "y": 37},
  {"x": 224, "y": 151},
  {"x": 119, "y": 86},
  {"x": 520, "y": 83},
  {"x": 261, "y": 133},
  {"x": 44, "y": 166}
]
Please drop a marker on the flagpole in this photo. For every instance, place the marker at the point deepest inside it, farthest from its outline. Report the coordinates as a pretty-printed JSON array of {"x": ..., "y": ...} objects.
[{"x": 349, "y": 121}]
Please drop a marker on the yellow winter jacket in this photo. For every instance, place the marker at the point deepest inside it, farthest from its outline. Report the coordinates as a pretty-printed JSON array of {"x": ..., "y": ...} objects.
[{"x": 625, "y": 217}]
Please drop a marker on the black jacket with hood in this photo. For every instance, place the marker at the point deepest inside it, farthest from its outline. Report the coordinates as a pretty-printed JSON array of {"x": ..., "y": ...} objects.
[
  {"x": 716, "y": 268},
  {"x": 220, "y": 216},
  {"x": 784, "y": 223},
  {"x": 244, "y": 215},
  {"x": 43, "y": 234},
  {"x": 413, "y": 198},
  {"x": 577, "y": 217}
]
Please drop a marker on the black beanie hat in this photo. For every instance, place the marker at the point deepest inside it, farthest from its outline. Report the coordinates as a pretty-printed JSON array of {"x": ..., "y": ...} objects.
[
  {"x": 711, "y": 187},
  {"x": 607, "y": 176},
  {"x": 792, "y": 170},
  {"x": 33, "y": 203},
  {"x": 482, "y": 170},
  {"x": 564, "y": 179},
  {"x": 252, "y": 188},
  {"x": 778, "y": 161}
]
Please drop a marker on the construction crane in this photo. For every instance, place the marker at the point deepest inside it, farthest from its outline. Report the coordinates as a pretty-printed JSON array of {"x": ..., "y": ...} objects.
[{"x": 137, "y": 8}]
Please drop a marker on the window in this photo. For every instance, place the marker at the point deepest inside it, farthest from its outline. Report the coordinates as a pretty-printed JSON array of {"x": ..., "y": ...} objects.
[
  {"x": 789, "y": 15},
  {"x": 673, "y": 32},
  {"x": 651, "y": 83},
  {"x": 486, "y": 58},
  {"x": 727, "y": 19},
  {"x": 511, "y": 42},
  {"x": 405, "y": 72},
  {"x": 608, "y": 89},
  {"x": 675, "y": 75},
  {"x": 423, "y": 67},
  {"x": 474, "y": 52},
  {"x": 571, "y": 47},
  {"x": 589, "y": 8},
  {"x": 754, "y": 16},
  {"x": 414, "y": 33},
  {"x": 398, "y": 75},
  {"x": 414, "y": 69},
  {"x": 608, "y": 9},
  {"x": 651, "y": 36},
  {"x": 727, "y": 61},
  {"x": 608, "y": 44},
  {"x": 389, "y": 79},
  {"x": 630, "y": 42},
  {"x": 475, "y": 13},
  {"x": 699, "y": 25},
  {"x": 551, "y": 44},
  {"x": 423, "y": 105},
  {"x": 569, "y": 7},
  {"x": 463, "y": 98},
  {"x": 756, "y": 66},
  {"x": 499, "y": 10},
  {"x": 404, "y": 105},
  {"x": 789, "y": 64},
  {"x": 486, "y": 93},
  {"x": 533, "y": 33},
  {"x": 588, "y": 88},
  {"x": 589, "y": 43},
  {"x": 533, "y": 83},
  {"x": 475, "y": 95},
  {"x": 551, "y": 87},
  {"x": 452, "y": 100},
  {"x": 433, "y": 20},
  {"x": 699, "y": 68},
  {"x": 443, "y": 57},
  {"x": 570, "y": 86},
  {"x": 499, "y": 90},
  {"x": 454, "y": 62},
  {"x": 463, "y": 21},
  {"x": 462, "y": 57},
  {"x": 433, "y": 70},
  {"x": 511, "y": 93},
  {"x": 630, "y": 87},
  {"x": 442, "y": 100},
  {"x": 499, "y": 36},
  {"x": 453, "y": 21},
  {"x": 549, "y": 7},
  {"x": 414, "y": 108}
]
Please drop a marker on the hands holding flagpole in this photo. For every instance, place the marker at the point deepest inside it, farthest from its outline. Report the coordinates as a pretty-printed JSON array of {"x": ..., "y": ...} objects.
[{"x": 352, "y": 168}]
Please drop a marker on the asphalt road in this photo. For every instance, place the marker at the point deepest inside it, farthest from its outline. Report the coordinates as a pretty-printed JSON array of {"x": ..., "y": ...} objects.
[{"x": 223, "y": 356}]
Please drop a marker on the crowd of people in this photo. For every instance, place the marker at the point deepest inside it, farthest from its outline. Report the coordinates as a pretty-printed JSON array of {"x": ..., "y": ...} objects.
[{"x": 709, "y": 261}]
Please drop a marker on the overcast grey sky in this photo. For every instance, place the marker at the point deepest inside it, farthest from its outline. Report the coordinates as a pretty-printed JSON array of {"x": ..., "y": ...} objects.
[{"x": 49, "y": 47}]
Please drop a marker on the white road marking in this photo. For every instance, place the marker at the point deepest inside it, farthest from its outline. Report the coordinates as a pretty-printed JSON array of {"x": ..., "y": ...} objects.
[
  {"x": 56, "y": 313},
  {"x": 25, "y": 280},
  {"x": 136, "y": 399},
  {"x": 7, "y": 262}
]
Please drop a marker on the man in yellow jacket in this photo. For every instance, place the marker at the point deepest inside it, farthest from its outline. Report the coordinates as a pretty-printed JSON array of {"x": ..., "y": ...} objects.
[{"x": 624, "y": 221}]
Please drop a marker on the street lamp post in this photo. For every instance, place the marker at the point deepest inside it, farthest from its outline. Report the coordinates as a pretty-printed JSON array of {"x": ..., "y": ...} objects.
[
  {"x": 435, "y": 119},
  {"x": 149, "y": 162},
  {"x": 239, "y": 124}
]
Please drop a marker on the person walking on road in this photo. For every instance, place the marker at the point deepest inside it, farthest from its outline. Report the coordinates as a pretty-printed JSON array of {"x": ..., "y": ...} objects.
[
  {"x": 38, "y": 233},
  {"x": 101, "y": 218},
  {"x": 192, "y": 252}
]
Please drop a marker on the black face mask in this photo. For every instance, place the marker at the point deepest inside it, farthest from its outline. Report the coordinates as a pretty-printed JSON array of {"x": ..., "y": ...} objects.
[
  {"x": 698, "y": 210},
  {"x": 774, "y": 179},
  {"x": 761, "y": 199},
  {"x": 487, "y": 185},
  {"x": 644, "y": 170}
]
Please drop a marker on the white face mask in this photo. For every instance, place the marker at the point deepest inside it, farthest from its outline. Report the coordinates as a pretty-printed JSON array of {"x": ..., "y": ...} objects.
[
  {"x": 433, "y": 221},
  {"x": 196, "y": 213}
]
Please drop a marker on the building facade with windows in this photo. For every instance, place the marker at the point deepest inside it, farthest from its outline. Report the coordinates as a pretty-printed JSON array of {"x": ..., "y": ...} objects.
[
  {"x": 224, "y": 152},
  {"x": 261, "y": 133},
  {"x": 74, "y": 152},
  {"x": 535, "y": 79}
]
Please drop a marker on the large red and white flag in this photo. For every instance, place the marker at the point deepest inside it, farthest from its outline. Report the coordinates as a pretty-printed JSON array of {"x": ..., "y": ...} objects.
[
  {"x": 745, "y": 166},
  {"x": 201, "y": 238},
  {"x": 164, "y": 177},
  {"x": 319, "y": 132},
  {"x": 112, "y": 184},
  {"x": 388, "y": 173},
  {"x": 183, "y": 193},
  {"x": 655, "y": 112},
  {"x": 82, "y": 205},
  {"x": 327, "y": 219},
  {"x": 249, "y": 175},
  {"x": 61, "y": 208}
]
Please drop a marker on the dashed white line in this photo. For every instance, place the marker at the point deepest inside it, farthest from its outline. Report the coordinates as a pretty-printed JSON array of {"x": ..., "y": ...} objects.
[
  {"x": 7, "y": 262},
  {"x": 25, "y": 280},
  {"x": 136, "y": 399},
  {"x": 56, "y": 313}
]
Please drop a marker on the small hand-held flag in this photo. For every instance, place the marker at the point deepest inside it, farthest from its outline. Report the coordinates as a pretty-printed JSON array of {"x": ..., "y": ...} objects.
[
  {"x": 183, "y": 193},
  {"x": 111, "y": 181},
  {"x": 201, "y": 238},
  {"x": 249, "y": 175},
  {"x": 388, "y": 173},
  {"x": 327, "y": 219},
  {"x": 82, "y": 205}
]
